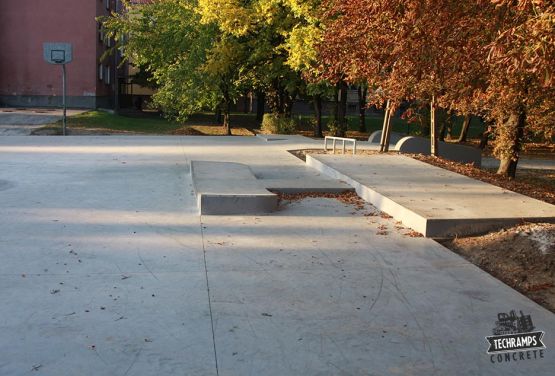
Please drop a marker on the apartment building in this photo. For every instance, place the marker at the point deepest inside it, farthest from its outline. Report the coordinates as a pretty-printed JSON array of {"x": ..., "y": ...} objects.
[{"x": 26, "y": 80}]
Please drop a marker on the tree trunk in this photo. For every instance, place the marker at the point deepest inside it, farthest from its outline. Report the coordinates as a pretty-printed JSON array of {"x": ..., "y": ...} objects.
[
  {"x": 318, "y": 113},
  {"x": 260, "y": 103},
  {"x": 446, "y": 127},
  {"x": 387, "y": 138},
  {"x": 465, "y": 127},
  {"x": 384, "y": 141},
  {"x": 343, "y": 109},
  {"x": 246, "y": 102},
  {"x": 442, "y": 132},
  {"x": 335, "y": 108},
  {"x": 433, "y": 129},
  {"x": 509, "y": 160},
  {"x": 362, "y": 91},
  {"x": 484, "y": 137},
  {"x": 227, "y": 125},
  {"x": 288, "y": 103},
  {"x": 218, "y": 115},
  {"x": 227, "y": 111}
]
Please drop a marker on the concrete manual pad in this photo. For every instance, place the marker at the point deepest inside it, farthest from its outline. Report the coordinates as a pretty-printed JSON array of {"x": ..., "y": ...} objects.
[
  {"x": 429, "y": 199},
  {"x": 229, "y": 188},
  {"x": 107, "y": 269}
]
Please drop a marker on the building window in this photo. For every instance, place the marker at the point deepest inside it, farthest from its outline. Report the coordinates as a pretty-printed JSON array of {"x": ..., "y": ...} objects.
[
  {"x": 100, "y": 72},
  {"x": 107, "y": 76},
  {"x": 107, "y": 4}
]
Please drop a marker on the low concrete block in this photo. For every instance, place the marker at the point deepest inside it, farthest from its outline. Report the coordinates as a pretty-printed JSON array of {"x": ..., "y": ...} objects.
[
  {"x": 225, "y": 188},
  {"x": 271, "y": 137},
  {"x": 453, "y": 152},
  {"x": 376, "y": 137}
]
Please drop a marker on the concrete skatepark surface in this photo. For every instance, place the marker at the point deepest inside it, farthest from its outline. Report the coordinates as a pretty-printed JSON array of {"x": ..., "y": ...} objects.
[
  {"x": 431, "y": 200},
  {"x": 107, "y": 269}
]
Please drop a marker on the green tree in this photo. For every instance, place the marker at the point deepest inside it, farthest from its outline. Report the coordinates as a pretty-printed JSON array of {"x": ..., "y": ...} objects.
[{"x": 193, "y": 65}]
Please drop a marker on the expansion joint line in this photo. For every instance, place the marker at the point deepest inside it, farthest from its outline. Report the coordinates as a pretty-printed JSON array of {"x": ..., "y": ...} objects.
[{"x": 209, "y": 298}]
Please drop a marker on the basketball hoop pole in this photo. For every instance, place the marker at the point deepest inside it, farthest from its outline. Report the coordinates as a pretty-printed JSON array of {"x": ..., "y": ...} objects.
[
  {"x": 64, "y": 98},
  {"x": 59, "y": 54}
]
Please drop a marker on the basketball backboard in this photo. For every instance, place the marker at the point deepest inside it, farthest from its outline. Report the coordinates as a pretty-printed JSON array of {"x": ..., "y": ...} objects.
[{"x": 58, "y": 53}]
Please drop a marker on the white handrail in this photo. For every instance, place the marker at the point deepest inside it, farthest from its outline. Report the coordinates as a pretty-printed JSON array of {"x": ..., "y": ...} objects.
[{"x": 343, "y": 140}]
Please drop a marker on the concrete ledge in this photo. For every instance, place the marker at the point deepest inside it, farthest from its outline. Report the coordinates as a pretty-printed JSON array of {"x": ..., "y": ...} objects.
[
  {"x": 272, "y": 137},
  {"x": 225, "y": 188},
  {"x": 435, "y": 202},
  {"x": 452, "y": 152}
]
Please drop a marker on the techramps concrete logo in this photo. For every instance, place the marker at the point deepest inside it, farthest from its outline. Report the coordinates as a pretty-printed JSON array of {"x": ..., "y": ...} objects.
[{"x": 515, "y": 339}]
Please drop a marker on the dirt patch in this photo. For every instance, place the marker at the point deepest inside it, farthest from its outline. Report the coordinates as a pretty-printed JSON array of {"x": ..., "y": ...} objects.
[
  {"x": 57, "y": 131},
  {"x": 210, "y": 130},
  {"x": 187, "y": 131},
  {"x": 301, "y": 154},
  {"x": 523, "y": 257},
  {"x": 360, "y": 136},
  {"x": 348, "y": 198}
]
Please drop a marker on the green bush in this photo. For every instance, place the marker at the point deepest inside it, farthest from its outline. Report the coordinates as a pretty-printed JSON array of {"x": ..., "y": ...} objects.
[
  {"x": 336, "y": 129},
  {"x": 274, "y": 124}
]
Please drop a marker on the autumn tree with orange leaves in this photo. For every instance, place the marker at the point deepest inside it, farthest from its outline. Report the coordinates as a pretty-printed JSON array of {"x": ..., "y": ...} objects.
[
  {"x": 520, "y": 96},
  {"x": 489, "y": 57}
]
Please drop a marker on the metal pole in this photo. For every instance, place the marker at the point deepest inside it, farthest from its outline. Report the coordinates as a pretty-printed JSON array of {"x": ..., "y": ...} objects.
[
  {"x": 64, "y": 121},
  {"x": 433, "y": 130},
  {"x": 116, "y": 82}
]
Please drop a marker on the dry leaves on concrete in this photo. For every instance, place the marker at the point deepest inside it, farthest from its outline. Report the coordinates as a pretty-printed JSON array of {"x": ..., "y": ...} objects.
[{"x": 348, "y": 198}]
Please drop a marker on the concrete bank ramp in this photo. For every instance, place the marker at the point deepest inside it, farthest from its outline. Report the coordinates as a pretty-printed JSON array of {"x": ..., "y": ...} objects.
[
  {"x": 376, "y": 137},
  {"x": 225, "y": 188},
  {"x": 429, "y": 199},
  {"x": 447, "y": 150}
]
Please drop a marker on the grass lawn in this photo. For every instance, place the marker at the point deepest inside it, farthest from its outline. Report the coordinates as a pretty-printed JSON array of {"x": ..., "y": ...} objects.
[
  {"x": 146, "y": 123},
  {"x": 375, "y": 123},
  {"x": 205, "y": 124}
]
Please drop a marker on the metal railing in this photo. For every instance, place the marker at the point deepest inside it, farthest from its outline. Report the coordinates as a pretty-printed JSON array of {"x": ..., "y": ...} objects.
[{"x": 343, "y": 140}]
